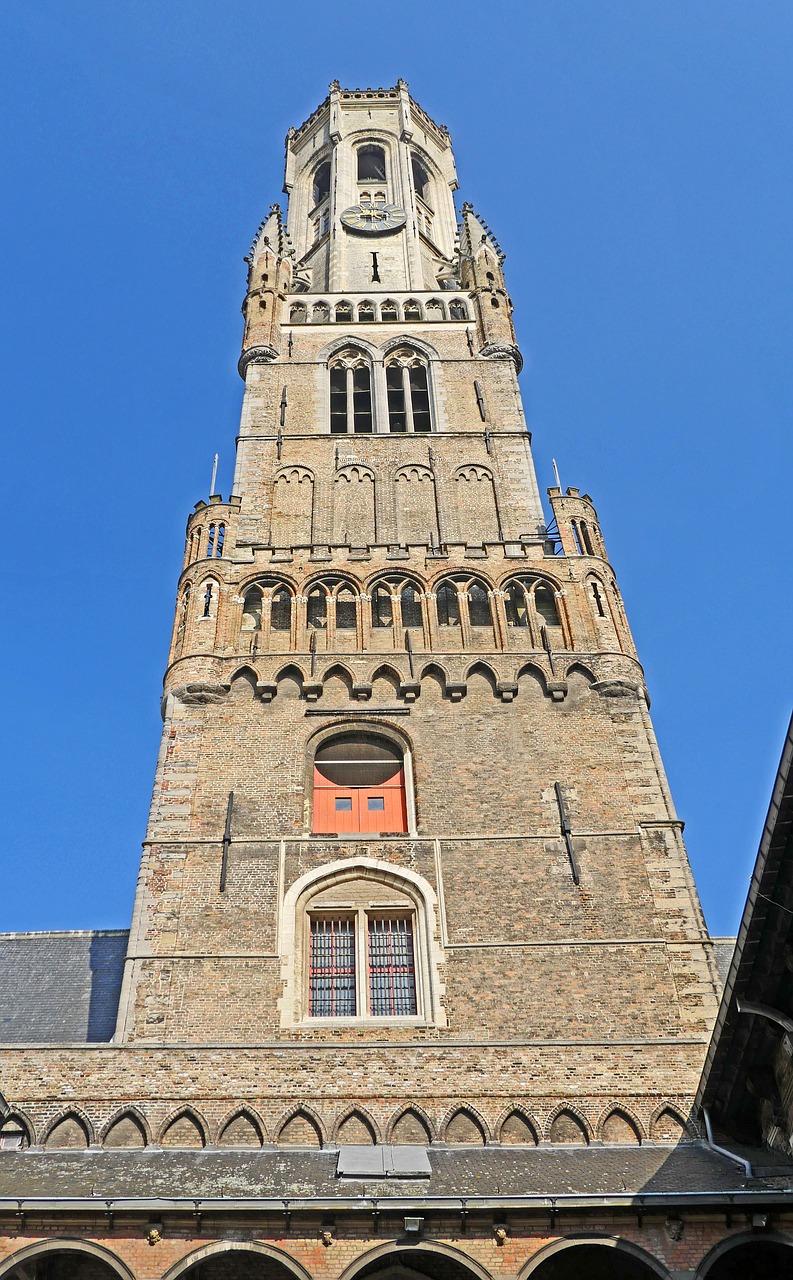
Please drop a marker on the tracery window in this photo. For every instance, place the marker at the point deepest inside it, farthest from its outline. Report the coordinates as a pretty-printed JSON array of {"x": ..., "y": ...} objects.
[
  {"x": 371, "y": 163},
  {"x": 343, "y": 312},
  {"x": 408, "y": 392},
  {"x": 529, "y": 603},
  {"x": 350, "y": 394},
  {"x": 396, "y": 605},
  {"x": 463, "y": 602},
  {"x": 332, "y": 603},
  {"x": 267, "y": 609},
  {"x": 298, "y": 313},
  {"x": 458, "y": 310},
  {"x": 321, "y": 313},
  {"x": 389, "y": 311},
  {"x": 366, "y": 313},
  {"x": 412, "y": 309}
]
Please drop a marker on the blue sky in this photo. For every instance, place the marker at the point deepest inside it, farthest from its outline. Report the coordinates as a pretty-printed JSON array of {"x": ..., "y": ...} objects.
[{"x": 634, "y": 162}]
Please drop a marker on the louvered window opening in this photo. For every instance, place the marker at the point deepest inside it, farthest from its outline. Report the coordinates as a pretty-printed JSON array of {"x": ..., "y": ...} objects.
[
  {"x": 332, "y": 969},
  {"x": 392, "y": 974}
]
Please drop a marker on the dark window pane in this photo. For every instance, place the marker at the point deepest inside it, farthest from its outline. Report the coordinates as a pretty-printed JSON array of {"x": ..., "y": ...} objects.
[
  {"x": 317, "y": 610},
  {"x": 392, "y": 976},
  {"x": 281, "y": 610},
  {"x": 478, "y": 606},
  {"x": 322, "y": 182},
  {"x": 515, "y": 604},
  {"x": 338, "y": 401},
  {"x": 411, "y": 607},
  {"x": 371, "y": 164},
  {"x": 345, "y": 611},
  {"x": 361, "y": 401},
  {"x": 419, "y": 398},
  {"x": 382, "y": 612},
  {"x": 397, "y": 417},
  {"x": 545, "y": 605},
  {"x": 448, "y": 606}
]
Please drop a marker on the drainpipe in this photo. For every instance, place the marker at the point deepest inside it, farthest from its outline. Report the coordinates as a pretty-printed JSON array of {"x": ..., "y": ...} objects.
[{"x": 722, "y": 1151}]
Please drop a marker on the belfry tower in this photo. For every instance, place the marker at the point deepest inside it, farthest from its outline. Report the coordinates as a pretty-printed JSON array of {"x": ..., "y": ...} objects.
[
  {"x": 418, "y": 983},
  {"x": 409, "y": 798}
]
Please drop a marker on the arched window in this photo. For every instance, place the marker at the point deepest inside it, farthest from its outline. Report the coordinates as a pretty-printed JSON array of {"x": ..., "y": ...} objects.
[
  {"x": 396, "y": 602},
  {"x": 412, "y": 309},
  {"x": 458, "y": 310},
  {"x": 211, "y": 542},
  {"x": 321, "y": 186},
  {"x": 389, "y": 311},
  {"x": 576, "y": 537},
  {"x": 408, "y": 392},
  {"x": 252, "y": 610},
  {"x": 346, "y": 609},
  {"x": 359, "y": 785},
  {"x": 184, "y": 609},
  {"x": 345, "y": 606},
  {"x": 298, "y": 313},
  {"x": 586, "y": 538},
  {"x": 207, "y": 613},
  {"x": 421, "y": 179},
  {"x": 366, "y": 313},
  {"x": 435, "y": 310},
  {"x": 462, "y": 601},
  {"x": 448, "y": 605},
  {"x": 530, "y": 603},
  {"x": 317, "y": 609},
  {"x": 343, "y": 313},
  {"x": 320, "y": 313},
  {"x": 371, "y": 163},
  {"x": 267, "y": 608},
  {"x": 350, "y": 394},
  {"x": 221, "y": 538}
]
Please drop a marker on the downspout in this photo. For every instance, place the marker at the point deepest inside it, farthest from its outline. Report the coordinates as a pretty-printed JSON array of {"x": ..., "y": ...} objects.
[{"x": 722, "y": 1151}]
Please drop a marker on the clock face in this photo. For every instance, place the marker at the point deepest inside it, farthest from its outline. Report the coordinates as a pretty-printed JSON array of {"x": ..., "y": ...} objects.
[{"x": 373, "y": 219}]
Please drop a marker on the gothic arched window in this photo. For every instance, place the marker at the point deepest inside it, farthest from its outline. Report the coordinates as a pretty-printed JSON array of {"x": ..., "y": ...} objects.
[
  {"x": 335, "y": 594},
  {"x": 366, "y": 313},
  {"x": 530, "y": 603},
  {"x": 371, "y": 163},
  {"x": 397, "y": 603},
  {"x": 408, "y": 392},
  {"x": 298, "y": 313},
  {"x": 389, "y": 311},
  {"x": 458, "y": 310},
  {"x": 412, "y": 309},
  {"x": 321, "y": 185},
  {"x": 350, "y": 394},
  {"x": 465, "y": 602},
  {"x": 343, "y": 313},
  {"x": 267, "y": 608}
]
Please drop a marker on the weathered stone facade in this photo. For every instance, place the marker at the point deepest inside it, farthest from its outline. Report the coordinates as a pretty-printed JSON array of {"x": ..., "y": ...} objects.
[{"x": 565, "y": 981}]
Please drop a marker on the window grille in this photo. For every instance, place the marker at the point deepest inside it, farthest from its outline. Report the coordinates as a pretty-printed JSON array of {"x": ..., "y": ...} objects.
[
  {"x": 392, "y": 975},
  {"x": 332, "y": 969}
]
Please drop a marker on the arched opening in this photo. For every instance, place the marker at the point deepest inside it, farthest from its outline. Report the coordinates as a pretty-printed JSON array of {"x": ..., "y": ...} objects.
[
  {"x": 371, "y": 163},
  {"x": 64, "y": 1264},
  {"x": 241, "y": 1263},
  {"x": 755, "y": 1259},
  {"x": 350, "y": 394},
  {"x": 321, "y": 188},
  {"x": 597, "y": 1261},
  {"x": 458, "y": 310},
  {"x": 421, "y": 179},
  {"x": 408, "y": 393},
  {"x": 409, "y": 1264},
  {"x": 359, "y": 785}
]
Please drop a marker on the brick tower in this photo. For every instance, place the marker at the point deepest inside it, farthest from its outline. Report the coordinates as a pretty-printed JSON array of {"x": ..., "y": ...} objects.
[
  {"x": 414, "y": 901},
  {"x": 449, "y": 830}
]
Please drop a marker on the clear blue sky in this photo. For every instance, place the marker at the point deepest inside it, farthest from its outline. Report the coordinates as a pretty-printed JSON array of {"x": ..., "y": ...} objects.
[{"x": 634, "y": 160}]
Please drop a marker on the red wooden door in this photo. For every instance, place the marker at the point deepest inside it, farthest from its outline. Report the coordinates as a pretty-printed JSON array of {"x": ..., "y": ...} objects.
[{"x": 371, "y": 808}]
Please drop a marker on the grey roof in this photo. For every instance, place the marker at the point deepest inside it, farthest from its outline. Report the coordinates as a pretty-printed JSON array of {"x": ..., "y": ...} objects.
[
  {"x": 689, "y": 1170},
  {"x": 723, "y": 949},
  {"x": 60, "y": 987}
]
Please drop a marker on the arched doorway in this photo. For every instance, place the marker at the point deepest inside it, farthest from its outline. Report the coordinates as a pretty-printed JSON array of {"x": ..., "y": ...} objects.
[
  {"x": 359, "y": 785},
  {"x": 56, "y": 1261},
  {"x": 749, "y": 1259},
  {"x": 416, "y": 1264},
  {"x": 237, "y": 1262},
  {"x": 605, "y": 1260}
]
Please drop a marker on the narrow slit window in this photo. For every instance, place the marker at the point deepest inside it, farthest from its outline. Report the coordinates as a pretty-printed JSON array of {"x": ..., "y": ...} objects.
[
  {"x": 221, "y": 538},
  {"x": 321, "y": 189},
  {"x": 419, "y": 398},
  {"x": 362, "y": 401},
  {"x": 332, "y": 969},
  {"x": 208, "y": 601},
  {"x": 211, "y": 542},
  {"x": 392, "y": 970},
  {"x": 338, "y": 401}
]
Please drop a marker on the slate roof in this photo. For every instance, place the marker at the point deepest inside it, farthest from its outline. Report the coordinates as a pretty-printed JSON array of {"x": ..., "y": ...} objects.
[
  {"x": 60, "y": 987},
  {"x": 723, "y": 949},
  {"x": 689, "y": 1171}
]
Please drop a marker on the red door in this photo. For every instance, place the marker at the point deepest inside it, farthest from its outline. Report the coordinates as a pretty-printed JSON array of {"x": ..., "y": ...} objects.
[{"x": 370, "y": 808}]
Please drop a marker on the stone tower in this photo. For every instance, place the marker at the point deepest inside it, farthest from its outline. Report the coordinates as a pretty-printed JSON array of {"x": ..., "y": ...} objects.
[
  {"x": 417, "y": 984},
  {"x": 409, "y": 818}
]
